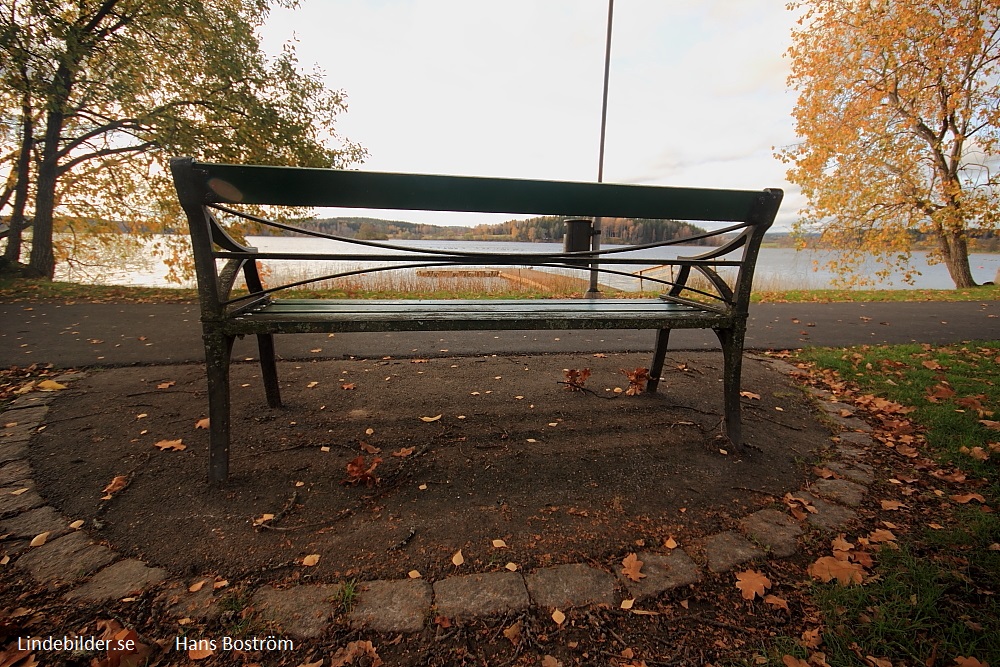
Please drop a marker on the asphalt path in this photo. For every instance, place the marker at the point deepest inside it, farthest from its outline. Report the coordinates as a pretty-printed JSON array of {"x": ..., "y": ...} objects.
[{"x": 85, "y": 335}]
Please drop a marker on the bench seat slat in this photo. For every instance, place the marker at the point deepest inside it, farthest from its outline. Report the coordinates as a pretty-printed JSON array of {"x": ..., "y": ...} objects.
[{"x": 319, "y": 315}]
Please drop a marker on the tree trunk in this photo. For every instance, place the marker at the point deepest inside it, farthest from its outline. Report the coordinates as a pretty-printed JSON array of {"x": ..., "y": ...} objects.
[
  {"x": 955, "y": 250},
  {"x": 12, "y": 254},
  {"x": 43, "y": 260}
]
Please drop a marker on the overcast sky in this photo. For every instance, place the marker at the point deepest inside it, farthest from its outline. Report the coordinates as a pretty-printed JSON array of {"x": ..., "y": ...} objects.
[{"x": 513, "y": 88}]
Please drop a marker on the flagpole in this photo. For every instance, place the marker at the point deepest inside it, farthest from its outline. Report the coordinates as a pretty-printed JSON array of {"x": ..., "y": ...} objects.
[{"x": 595, "y": 243}]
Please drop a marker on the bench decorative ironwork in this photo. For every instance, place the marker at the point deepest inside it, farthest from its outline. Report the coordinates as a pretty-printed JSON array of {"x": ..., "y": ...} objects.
[{"x": 210, "y": 194}]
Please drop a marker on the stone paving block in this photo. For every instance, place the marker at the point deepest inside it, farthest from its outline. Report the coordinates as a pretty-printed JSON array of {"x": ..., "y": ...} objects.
[
  {"x": 24, "y": 417},
  {"x": 13, "y": 472},
  {"x": 663, "y": 572},
  {"x": 35, "y": 522},
  {"x": 124, "y": 578},
  {"x": 202, "y": 605},
  {"x": 66, "y": 560},
  {"x": 300, "y": 611},
  {"x": 862, "y": 473},
  {"x": 392, "y": 606},
  {"x": 850, "y": 423},
  {"x": 839, "y": 490},
  {"x": 726, "y": 550},
  {"x": 853, "y": 438},
  {"x": 32, "y": 400},
  {"x": 13, "y": 450},
  {"x": 21, "y": 432},
  {"x": 828, "y": 516},
  {"x": 477, "y": 595},
  {"x": 775, "y": 530},
  {"x": 575, "y": 585},
  {"x": 11, "y": 504}
]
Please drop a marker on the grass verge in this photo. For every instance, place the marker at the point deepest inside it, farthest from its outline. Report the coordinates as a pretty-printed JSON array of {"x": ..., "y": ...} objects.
[
  {"x": 935, "y": 600},
  {"x": 17, "y": 290}
]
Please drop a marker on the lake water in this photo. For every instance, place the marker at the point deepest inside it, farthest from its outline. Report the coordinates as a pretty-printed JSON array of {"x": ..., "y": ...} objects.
[{"x": 777, "y": 268}]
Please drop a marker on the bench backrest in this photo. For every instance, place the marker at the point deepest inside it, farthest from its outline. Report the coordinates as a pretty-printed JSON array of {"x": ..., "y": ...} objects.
[{"x": 202, "y": 187}]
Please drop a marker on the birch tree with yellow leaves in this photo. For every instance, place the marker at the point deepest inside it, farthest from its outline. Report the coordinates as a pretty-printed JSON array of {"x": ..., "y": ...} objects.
[
  {"x": 899, "y": 117},
  {"x": 96, "y": 95}
]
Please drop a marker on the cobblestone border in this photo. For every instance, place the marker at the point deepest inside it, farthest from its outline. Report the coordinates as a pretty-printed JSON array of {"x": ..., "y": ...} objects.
[{"x": 69, "y": 561}]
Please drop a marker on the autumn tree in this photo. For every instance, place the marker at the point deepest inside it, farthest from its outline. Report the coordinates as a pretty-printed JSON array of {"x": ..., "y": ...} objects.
[
  {"x": 105, "y": 91},
  {"x": 899, "y": 118}
]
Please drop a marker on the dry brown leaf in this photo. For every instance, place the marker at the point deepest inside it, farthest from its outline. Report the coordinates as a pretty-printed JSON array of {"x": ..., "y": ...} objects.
[
  {"x": 670, "y": 543},
  {"x": 458, "y": 558},
  {"x": 631, "y": 566},
  {"x": 171, "y": 445},
  {"x": 989, "y": 423},
  {"x": 829, "y": 568},
  {"x": 962, "y": 661},
  {"x": 204, "y": 422},
  {"x": 752, "y": 583},
  {"x": 575, "y": 379},
  {"x": 50, "y": 385},
  {"x": 357, "y": 649},
  {"x": 365, "y": 447},
  {"x": 199, "y": 654},
  {"x": 312, "y": 384},
  {"x": 222, "y": 583},
  {"x": 558, "y": 617},
  {"x": 310, "y": 560},
  {"x": 792, "y": 661},
  {"x": 414, "y": 574},
  {"x": 117, "y": 483},
  {"x": 40, "y": 539},
  {"x": 749, "y": 394},
  {"x": 637, "y": 379},
  {"x": 513, "y": 633},
  {"x": 628, "y": 604},
  {"x": 166, "y": 385},
  {"x": 892, "y": 505},
  {"x": 964, "y": 498},
  {"x": 431, "y": 419},
  {"x": 775, "y": 601},
  {"x": 348, "y": 386},
  {"x": 811, "y": 638},
  {"x": 499, "y": 544},
  {"x": 264, "y": 518},
  {"x": 197, "y": 586},
  {"x": 404, "y": 452},
  {"x": 881, "y": 535},
  {"x": 549, "y": 661},
  {"x": 358, "y": 473},
  {"x": 77, "y": 524}
]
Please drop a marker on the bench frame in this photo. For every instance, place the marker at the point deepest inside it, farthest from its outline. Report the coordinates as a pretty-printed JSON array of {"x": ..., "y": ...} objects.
[{"x": 208, "y": 193}]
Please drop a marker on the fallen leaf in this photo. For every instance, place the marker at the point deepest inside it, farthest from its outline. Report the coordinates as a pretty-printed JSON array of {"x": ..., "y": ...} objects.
[
  {"x": 312, "y": 384},
  {"x": 365, "y": 447},
  {"x": 513, "y": 633},
  {"x": 20, "y": 491},
  {"x": 458, "y": 558},
  {"x": 627, "y": 604},
  {"x": 792, "y": 661},
  {"x": 558, "y": 617},
  {"x": 414, "y": 574},
  {"x": 962, "y": 661},
  {"x": 892, "y": 505},
  {"x": 77, "y": 524},
  {"x": 499, "y": 544},
  {"x": 4, "y": 560},
  {"x": 166, "y": 385},
  {"x": 310, "y": 560},
  {"x": 197, "y": 586},
  {"x": 989, "y": 423},
  {"x": 811, "y": 638},
  {"x": 967, "y": 497},
  {"x": 222, "y": 583},
  {"x": 117, "y": 483},
  {"x": 829, "y": 568},
  {"x": 775, "y": 601},
  {"x": 670, "y": 543},
  {"x": 356, "y": 649},
  {"x": 631, "y": 566},
  {"x": 549, "y": 661},
  {"x": 511, "y": 566},
  {"x": 403, "y": 452},
  {"x": 752, "y": 583},
  {"x": 749, "y": 394},
  {"x": 431, "y": 419},
  {"x": 349, "y": 386},
  {"x": 357, "y": 473},
  {"x": 637, "y": 379},
  {"x": 40, "y": 539},
  {"x": 50, "y": 385},
  {"x": 881, "y": 535},
  {"x": 202, "y": 423},
  {"x": 931, "y": 365},
  {"x": 172, "y": 445}
]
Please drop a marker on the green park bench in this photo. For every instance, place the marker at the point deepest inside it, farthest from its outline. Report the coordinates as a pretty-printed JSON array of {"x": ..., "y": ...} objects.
[{"x": 211, "y": 194}]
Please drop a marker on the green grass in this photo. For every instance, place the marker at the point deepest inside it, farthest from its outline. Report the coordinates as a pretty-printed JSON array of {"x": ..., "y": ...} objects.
[
  {"x": 15, "y": 290},
  {"x": 939, "y": 594}
]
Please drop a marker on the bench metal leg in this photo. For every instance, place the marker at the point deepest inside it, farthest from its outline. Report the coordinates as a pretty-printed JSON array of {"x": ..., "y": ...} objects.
[
  {"x": 732, "y": 354},
  {"x": 269, "y": 370},
  {"x": 218, "y": 351},
  {"x": 659, "y": 353}
]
